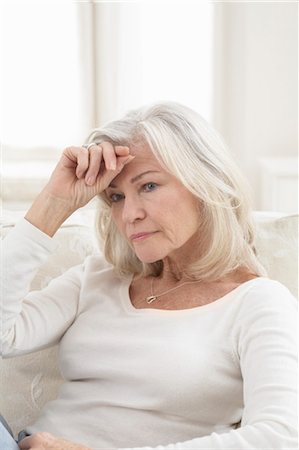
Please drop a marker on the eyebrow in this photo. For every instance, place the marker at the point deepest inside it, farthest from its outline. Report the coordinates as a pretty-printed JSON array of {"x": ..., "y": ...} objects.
[{"x": 134, "y": 179}]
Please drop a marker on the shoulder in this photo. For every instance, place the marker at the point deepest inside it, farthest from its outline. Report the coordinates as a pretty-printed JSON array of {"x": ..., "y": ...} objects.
[
  {"x": 260, "y": 298},
  {"x": 266, "y": 304},
  {"x": 264, "y": 291},
  {"x": 265, "y": 320}
]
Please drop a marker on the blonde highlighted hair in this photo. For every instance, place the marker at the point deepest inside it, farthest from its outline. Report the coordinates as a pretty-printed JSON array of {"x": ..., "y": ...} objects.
[{"x": 190, "y": 149}]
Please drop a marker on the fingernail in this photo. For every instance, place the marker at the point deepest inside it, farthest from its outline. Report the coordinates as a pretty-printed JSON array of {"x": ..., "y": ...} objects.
[
  {"x": 112, "y": 166},
  {"x": 129, "y": 158}
]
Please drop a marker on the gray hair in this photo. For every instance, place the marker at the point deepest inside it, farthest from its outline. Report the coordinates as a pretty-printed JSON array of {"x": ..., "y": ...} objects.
[{"x": 190, "y": 149}]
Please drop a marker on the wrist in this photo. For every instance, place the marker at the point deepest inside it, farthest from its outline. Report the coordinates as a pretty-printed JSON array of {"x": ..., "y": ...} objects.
[{"x": 49, "y": 212}]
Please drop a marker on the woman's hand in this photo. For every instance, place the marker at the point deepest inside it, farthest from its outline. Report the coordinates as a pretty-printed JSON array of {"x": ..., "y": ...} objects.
[
  {"x": 79, "y": 176},
  {"x": 46, "y": 441},
  {"x": 83, "y": 173}
]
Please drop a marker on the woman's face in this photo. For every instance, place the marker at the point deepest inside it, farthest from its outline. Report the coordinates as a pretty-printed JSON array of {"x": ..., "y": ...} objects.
[{"x": 155, "y": 213}]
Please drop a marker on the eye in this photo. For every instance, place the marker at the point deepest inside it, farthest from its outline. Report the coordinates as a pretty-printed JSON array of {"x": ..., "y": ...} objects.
[
  {"x": 147, "y": 187},
  {"x": 114, "y": 198}
]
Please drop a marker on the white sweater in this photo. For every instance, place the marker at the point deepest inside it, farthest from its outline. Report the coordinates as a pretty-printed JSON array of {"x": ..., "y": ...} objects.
[{"x": 176, "y": 379}]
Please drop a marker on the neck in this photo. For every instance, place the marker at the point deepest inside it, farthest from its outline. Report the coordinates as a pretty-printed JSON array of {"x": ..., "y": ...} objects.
[
  {"x": 177, "y": 270},
  {"x": 173, "y": 272},
  {"x": 175, "y": 265}
]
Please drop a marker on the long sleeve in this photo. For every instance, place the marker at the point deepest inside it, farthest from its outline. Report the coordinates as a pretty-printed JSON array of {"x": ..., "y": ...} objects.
[
  {"x": 265, "y": 348},
  {"x": 33, "y": 320}
]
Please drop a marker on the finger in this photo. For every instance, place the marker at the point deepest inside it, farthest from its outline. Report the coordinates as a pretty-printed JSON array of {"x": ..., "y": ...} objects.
[
  {"x": 104, "y": 181},
  {"x": 24, "y": 444},
  {"x": 109, "y": 155},
  {"x": 122, "y": 150},
  {"x": 111, "y": 152},
  {"x": 70, "y": 156},
  {"x": 30, "y": 443},
  {"x": 82, "y": 162},
  {"x": 95, "y": 159},
  {"x": 122, "y": 161},
  {"x": 38, "y": 441}
]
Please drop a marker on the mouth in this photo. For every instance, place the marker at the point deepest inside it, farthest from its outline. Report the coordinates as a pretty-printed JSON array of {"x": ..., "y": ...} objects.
[{"x": 141, "y": 236}]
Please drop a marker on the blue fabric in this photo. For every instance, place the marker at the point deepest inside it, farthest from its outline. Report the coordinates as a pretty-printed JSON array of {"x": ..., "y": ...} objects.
[
  {"x": 6, "y": 436},
  {"x": 7, "y": 441}
]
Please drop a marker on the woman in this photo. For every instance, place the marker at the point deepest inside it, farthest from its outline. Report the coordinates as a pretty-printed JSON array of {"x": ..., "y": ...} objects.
[{"x": 181, "y": 342}]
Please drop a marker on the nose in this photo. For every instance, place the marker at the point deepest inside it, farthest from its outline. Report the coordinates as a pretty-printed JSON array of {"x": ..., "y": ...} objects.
[{"x": 133, "y": 209}]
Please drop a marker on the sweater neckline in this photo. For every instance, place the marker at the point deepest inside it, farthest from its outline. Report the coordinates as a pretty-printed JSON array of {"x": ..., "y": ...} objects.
[{"x": 235, "y": 293}]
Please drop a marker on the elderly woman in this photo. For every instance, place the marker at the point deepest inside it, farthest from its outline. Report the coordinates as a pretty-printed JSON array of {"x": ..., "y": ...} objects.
[{"x": 181, "y": 341}]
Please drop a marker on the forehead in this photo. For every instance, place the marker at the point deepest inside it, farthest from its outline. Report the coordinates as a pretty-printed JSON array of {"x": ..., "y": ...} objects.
[
  {"x": 144, "y": 160},
  {"x": 142, "y": 152}
]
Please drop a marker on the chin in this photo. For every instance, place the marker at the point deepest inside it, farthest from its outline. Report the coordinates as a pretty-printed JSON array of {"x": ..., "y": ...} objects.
[
  {"x": 149, "y": 254},
  {"x": 150, "y": 258}
]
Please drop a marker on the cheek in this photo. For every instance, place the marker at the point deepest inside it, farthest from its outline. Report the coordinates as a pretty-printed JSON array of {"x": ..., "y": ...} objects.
[{"x": 186, "y": 220}]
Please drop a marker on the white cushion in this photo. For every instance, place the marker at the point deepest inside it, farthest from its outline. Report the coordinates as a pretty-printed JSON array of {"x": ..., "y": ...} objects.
[{"x": 277, "y": 247}]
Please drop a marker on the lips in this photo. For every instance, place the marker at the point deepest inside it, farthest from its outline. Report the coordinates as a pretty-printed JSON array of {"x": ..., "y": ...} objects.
[{"x": 141, "y": 236}]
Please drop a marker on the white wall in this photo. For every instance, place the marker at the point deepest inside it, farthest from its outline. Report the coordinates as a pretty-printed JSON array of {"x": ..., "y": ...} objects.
[{"x": 256, "y": 96}]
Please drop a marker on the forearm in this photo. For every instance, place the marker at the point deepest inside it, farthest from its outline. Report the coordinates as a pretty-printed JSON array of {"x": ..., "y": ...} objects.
[
  {"x": 33, "y": 319},
  {"x": 256, "y": 436},
  {"x": 24, "y": 249},
  {"x": 48, "y": 212}
]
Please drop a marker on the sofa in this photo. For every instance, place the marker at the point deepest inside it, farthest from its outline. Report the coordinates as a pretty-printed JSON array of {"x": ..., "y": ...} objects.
[{"x": 29, "y": 381}]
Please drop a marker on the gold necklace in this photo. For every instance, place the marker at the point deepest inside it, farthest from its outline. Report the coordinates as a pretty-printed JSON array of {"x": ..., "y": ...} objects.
[{"x": 153, "y": 297}]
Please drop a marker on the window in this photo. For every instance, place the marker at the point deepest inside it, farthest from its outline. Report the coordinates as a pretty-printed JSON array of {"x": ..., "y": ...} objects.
[
  {"x": 40, "y": 85},
  {"x": 68, "y": 66}
]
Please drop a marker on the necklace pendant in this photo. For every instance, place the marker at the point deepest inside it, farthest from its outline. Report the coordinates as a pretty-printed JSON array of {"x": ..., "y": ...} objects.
[{"x": 150, "y": 299}]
